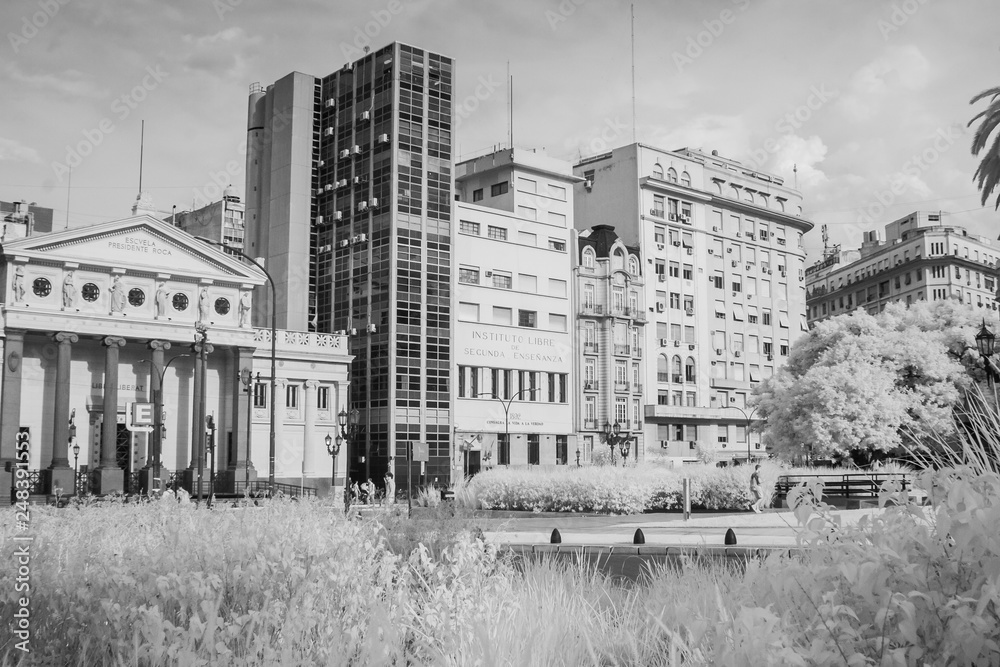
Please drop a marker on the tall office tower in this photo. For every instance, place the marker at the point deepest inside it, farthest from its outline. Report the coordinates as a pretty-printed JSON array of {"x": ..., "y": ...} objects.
[
  {"x": 349, "y": 195},
  {"x": 723, "y": 250},
  {"x": 922, "y": 258}
]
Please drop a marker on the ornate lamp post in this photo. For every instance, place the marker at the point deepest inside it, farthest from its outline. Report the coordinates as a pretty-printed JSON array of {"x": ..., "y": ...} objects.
[
  {"x": 614, "y": 436},
  {"x": 248, "y": 380},
  {"x": 986, "y": 344},
  {"x": 506, "y": 413},
  {"x": 577, "y": 457},
  {"x": 76, "y": 464},
  {"x": 749, "y": 420},
  {"x": 333, "y": 449},
  {"x": 349, "y": 429}
]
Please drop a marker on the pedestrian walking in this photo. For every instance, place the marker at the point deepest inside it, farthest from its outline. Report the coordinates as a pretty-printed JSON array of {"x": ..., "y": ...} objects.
[{"x": 755, "y": 489}]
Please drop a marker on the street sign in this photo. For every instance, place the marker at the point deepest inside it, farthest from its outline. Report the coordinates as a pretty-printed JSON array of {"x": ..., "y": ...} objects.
[
  {"x": 420, "y": 452},
  {"x": 139, "y": 416}
]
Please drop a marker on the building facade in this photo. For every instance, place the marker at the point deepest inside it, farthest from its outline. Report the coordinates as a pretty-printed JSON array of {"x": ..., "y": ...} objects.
[
  {"x": 921, "y": 258},
  {"x": 101, "y": 317},
  {"x": 611, "y": 311},
  {"x": 722, "y": 247},
  {"x": 20, "y": 219},
  {"x": 221, "y": 221},
  {"x": 513, "y": 364},
  {"x": 349, "y": 199}
]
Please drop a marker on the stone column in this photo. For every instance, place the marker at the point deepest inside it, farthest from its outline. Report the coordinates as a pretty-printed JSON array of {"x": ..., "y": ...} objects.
[
  {"x": 241, "y": 468},
  {"x": 111, "y": 478},
  {"x": 60, "y": 473},
  {"x": 153, "y": 470},
  {"x": 198, "y": 423},
  {"x": 10, "y": 401},
  {"x": 312, "y": 443}
]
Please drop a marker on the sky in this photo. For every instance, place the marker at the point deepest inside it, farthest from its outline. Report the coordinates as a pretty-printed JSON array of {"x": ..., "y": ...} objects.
[{"x": 867, "y": 99}]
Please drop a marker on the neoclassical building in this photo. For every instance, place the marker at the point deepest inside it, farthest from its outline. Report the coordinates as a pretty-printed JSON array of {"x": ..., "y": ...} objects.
[{"x": 99, "y": 318}]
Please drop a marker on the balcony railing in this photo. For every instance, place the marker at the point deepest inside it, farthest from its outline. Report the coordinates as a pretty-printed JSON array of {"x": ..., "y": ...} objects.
[
  {"x": 591, "y": 385},
  {"x": 621, "y": 386},
  {"x": 663, "y": 377},
  {"x": 590, "y": 348},
  {"x": 590, "y": 423},
  {"x": 592, "y": 309},
  {"x": 637, "y": 387},
  {"x": 624, "y": 350}
]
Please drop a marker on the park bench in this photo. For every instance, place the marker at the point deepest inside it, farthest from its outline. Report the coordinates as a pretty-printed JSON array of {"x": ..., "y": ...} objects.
[{"x": 843, "y": 487}]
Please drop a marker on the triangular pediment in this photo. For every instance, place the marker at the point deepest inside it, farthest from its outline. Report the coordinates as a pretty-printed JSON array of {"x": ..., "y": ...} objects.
[{"x": 140, "y": 243}]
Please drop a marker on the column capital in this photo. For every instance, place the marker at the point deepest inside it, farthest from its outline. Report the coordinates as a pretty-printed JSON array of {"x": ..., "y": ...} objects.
[
  {"x": 196, "y": 348},
  {"x": 281, "y": 382},
  {"x": 311, "y": 384},
  {"x": 66, "y": 337},
  {"x": 159, "y": 345},
  {"x": 113, "y": 341}
]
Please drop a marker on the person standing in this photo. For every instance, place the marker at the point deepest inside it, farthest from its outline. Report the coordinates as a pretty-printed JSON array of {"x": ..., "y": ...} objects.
[
  {"x": 755, "y": 489},
  {"x": 390, "y": 488}
]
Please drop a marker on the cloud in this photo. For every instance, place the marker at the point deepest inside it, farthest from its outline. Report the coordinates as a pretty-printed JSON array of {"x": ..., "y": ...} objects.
[
  {"x": 12, "y": 150},
  {"x": 69, "y": 82},
  {"x": 727, "y": 134},
  {"x": 898, "y": 69},
  {"x": 793, "y": 151},
  {"x": 224, "y": 53}
]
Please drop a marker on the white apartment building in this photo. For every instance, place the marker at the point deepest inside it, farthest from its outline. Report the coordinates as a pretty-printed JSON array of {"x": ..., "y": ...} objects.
[
  {"x": 513, "y": 363},
  {"x": 921, "y": 258},
  {"x": 722, "y": 247}
]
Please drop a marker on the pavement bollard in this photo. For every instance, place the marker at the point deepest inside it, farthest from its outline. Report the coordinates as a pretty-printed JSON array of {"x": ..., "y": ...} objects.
[
  {"x": 639, "y": 537},
  {"x": 730, "y": 537},
  {"x": 556, "y": 537}
]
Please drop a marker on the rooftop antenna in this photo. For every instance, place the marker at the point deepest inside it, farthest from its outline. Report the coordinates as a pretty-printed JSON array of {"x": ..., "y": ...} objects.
[
  {"x": 633, "y": 71},
  {"x": 510, "y": 111},
  {"x": 795, "y": 173},
  {"x": 69, "y": 187},
  {"x": 512, "y": 117},
  {"x": 142, "y": 137}
]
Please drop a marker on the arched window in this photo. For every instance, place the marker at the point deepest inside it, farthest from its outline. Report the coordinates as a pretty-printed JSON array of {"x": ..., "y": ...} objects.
[
  {"x": 662, "y": 368},
  {"x": 685, "y": 178},
  {"x": 676, "y": 370},
  {"x": 618, "y": 260},
  {"x": 689, "y": 370},
  {"x": 588, "y": 258},
  {"x": 672, "y": 175},
  {"x": 633, "y": 265},
  {"x": 658, "y": 171}
]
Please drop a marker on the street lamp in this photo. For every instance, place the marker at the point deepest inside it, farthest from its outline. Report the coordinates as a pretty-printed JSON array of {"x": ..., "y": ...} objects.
[
  {"x": 274, "y": 355},
  {"x": 749, "y": 419},
  {"x": 986, "y": 344},
  {"x": 248, "y": 380},
  {"x": 506, "y": 414},
  {"x": 333, "y": 449},
  {"x": 349, "y": 429},
  {"x": 614, "y": 436},
  {"x": 76, "y": 463},
  {"x": 157, "y": 400},
  {"x": 577, "y": 457}
]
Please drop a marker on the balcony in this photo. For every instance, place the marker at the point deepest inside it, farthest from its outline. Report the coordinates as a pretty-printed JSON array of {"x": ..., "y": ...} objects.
[
  {"x": 684, "y": 412},
  {"x": 590, "y": 424},
  {"x": 592, "y": 309},
  {"x": 663, "y": 377},
  {"x": 591, "y": 385},
  {"x": 637, "y": 387},
  {"x": 590, "y": 348},
  {"x": 621, "y": 386},
  {"x": 622, "y": 350},
  {"x": 637, "y": 352}
]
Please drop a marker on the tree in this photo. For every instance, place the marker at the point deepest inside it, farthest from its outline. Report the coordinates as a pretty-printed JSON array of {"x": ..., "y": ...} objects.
[
  {"x": 859, "y": 384},
  {"x": 988, "y": 172}
]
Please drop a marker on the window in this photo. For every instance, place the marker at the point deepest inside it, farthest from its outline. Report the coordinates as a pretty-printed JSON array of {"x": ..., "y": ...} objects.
[
  {"x": 689, "y": 375},
  {"x": 502, "y": 280},
  {"x": 468, "y": 276},
  {"x": 672, "y": 175},
  {"x": 588, "y": 295},
  {"x": 688, "y": 272},
  {"x": 180, "y": 301},
  {"x": 467, "y": 227},
  {"x": 527, "y": 318},
  {"x": 527, "y": 283},
  {"x": 468, "y": 312},
  {"x": 658, "y": 171},
  {"x": 221, "y": 304},
  {"x": 557, "y": 192},
  {"x": 588, "y": 258},
  {"x": 527, "y": 213},
  {"x": 477, "y": 195},
  {"x": 260, "y": 395},
  {"x": 675, "y": 300},
  {"x": 499, "y": 189},
  {"x": 533, "y": 458},
  {"x": 557, "y": 244},
  {"x": 557, "y": 287},
  {"x": 675, "y": 270},
  {"x": 557, "y": 322},
  {"x": 503, "y": 315},
  {"x": 498, "y": 233},
  {"x": 292, "y": 396},
  {"x": 658, "y": 205},
  {"x": 621, "y": 410},
  {"x": 527, "y": 185},
  {"x": 562, "y": 453},
  {"x": 136, "y": 297},
  {"x": 766, "y": 317},
  {"x": 322, "y": 398},
  {"x": 527, "y": 238},
  {"x": 91, "y": 292}
]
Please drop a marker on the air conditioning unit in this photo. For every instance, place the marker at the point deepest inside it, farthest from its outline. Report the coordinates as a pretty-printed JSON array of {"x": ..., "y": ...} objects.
[
  {"x": 338, "y": 215},
  {"x": 748, "y": 267},
  {"x": 770, "y": 357},
  {"x": 341, "y": 332},
  {"x": 348, "y": 67},
  {"x": 362, "y": 206},
  {"x": 749, "y": 235},
  {"x": 355, "y": 150},
  {"x": 739, "y": 234},
  {"x": 319, "y": 220},
  {"x": 326, "y": 248},
  {"x": 354, "y": 332},
  {"x": 769, "y": 273},
  {"x": 660, "y": 246},
  {"x": 342, "y": 183},
  {"x": 364, "y": 115},
  {"x": 588, "y": 385},
  {"x": 362, "y": 238},
  {"x": 689, "y": 311},
  {"x": 711, "y": 252},
  {"x": 676, "y": 244},
  {"x": 328, "y": 132},
  {"x": 659, "y": 307},
  {"x": 782, "y": 274},
  {"x": 322, "y": 163},
  {"x": 690, "y": 251},
  {"x": 664, "y": 342},
  {"x": 714, "y": 228},
  {"x": 488, "y": 274},
  {"x": 677, "y": 343},
  {"x": 374, "y": 202},
  {"x": 319, "y": 191},
  {"x": 357, "y": 180},
  {"x": 328, "y": 187},
  {"x": 684, "y": 218},
  {"x": 589, "y": 183},
  {"x": 729, "y": 250},
  {"x": 371, "y": 328},
  {"x": 672, "y": 216},
  {"x": 737, "y": 353},
  {"x": 330, "y": 103},
  {"x": 718, "y": 351},
  {"x": 344, "y": 153},
  {"x": 345, "y": 243},
  {"x": 661, "y": 277},
  {"x": 383, "y": 139},
  {"x": 691, "y": 347},
  {"x": 735, "y": 263}
]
